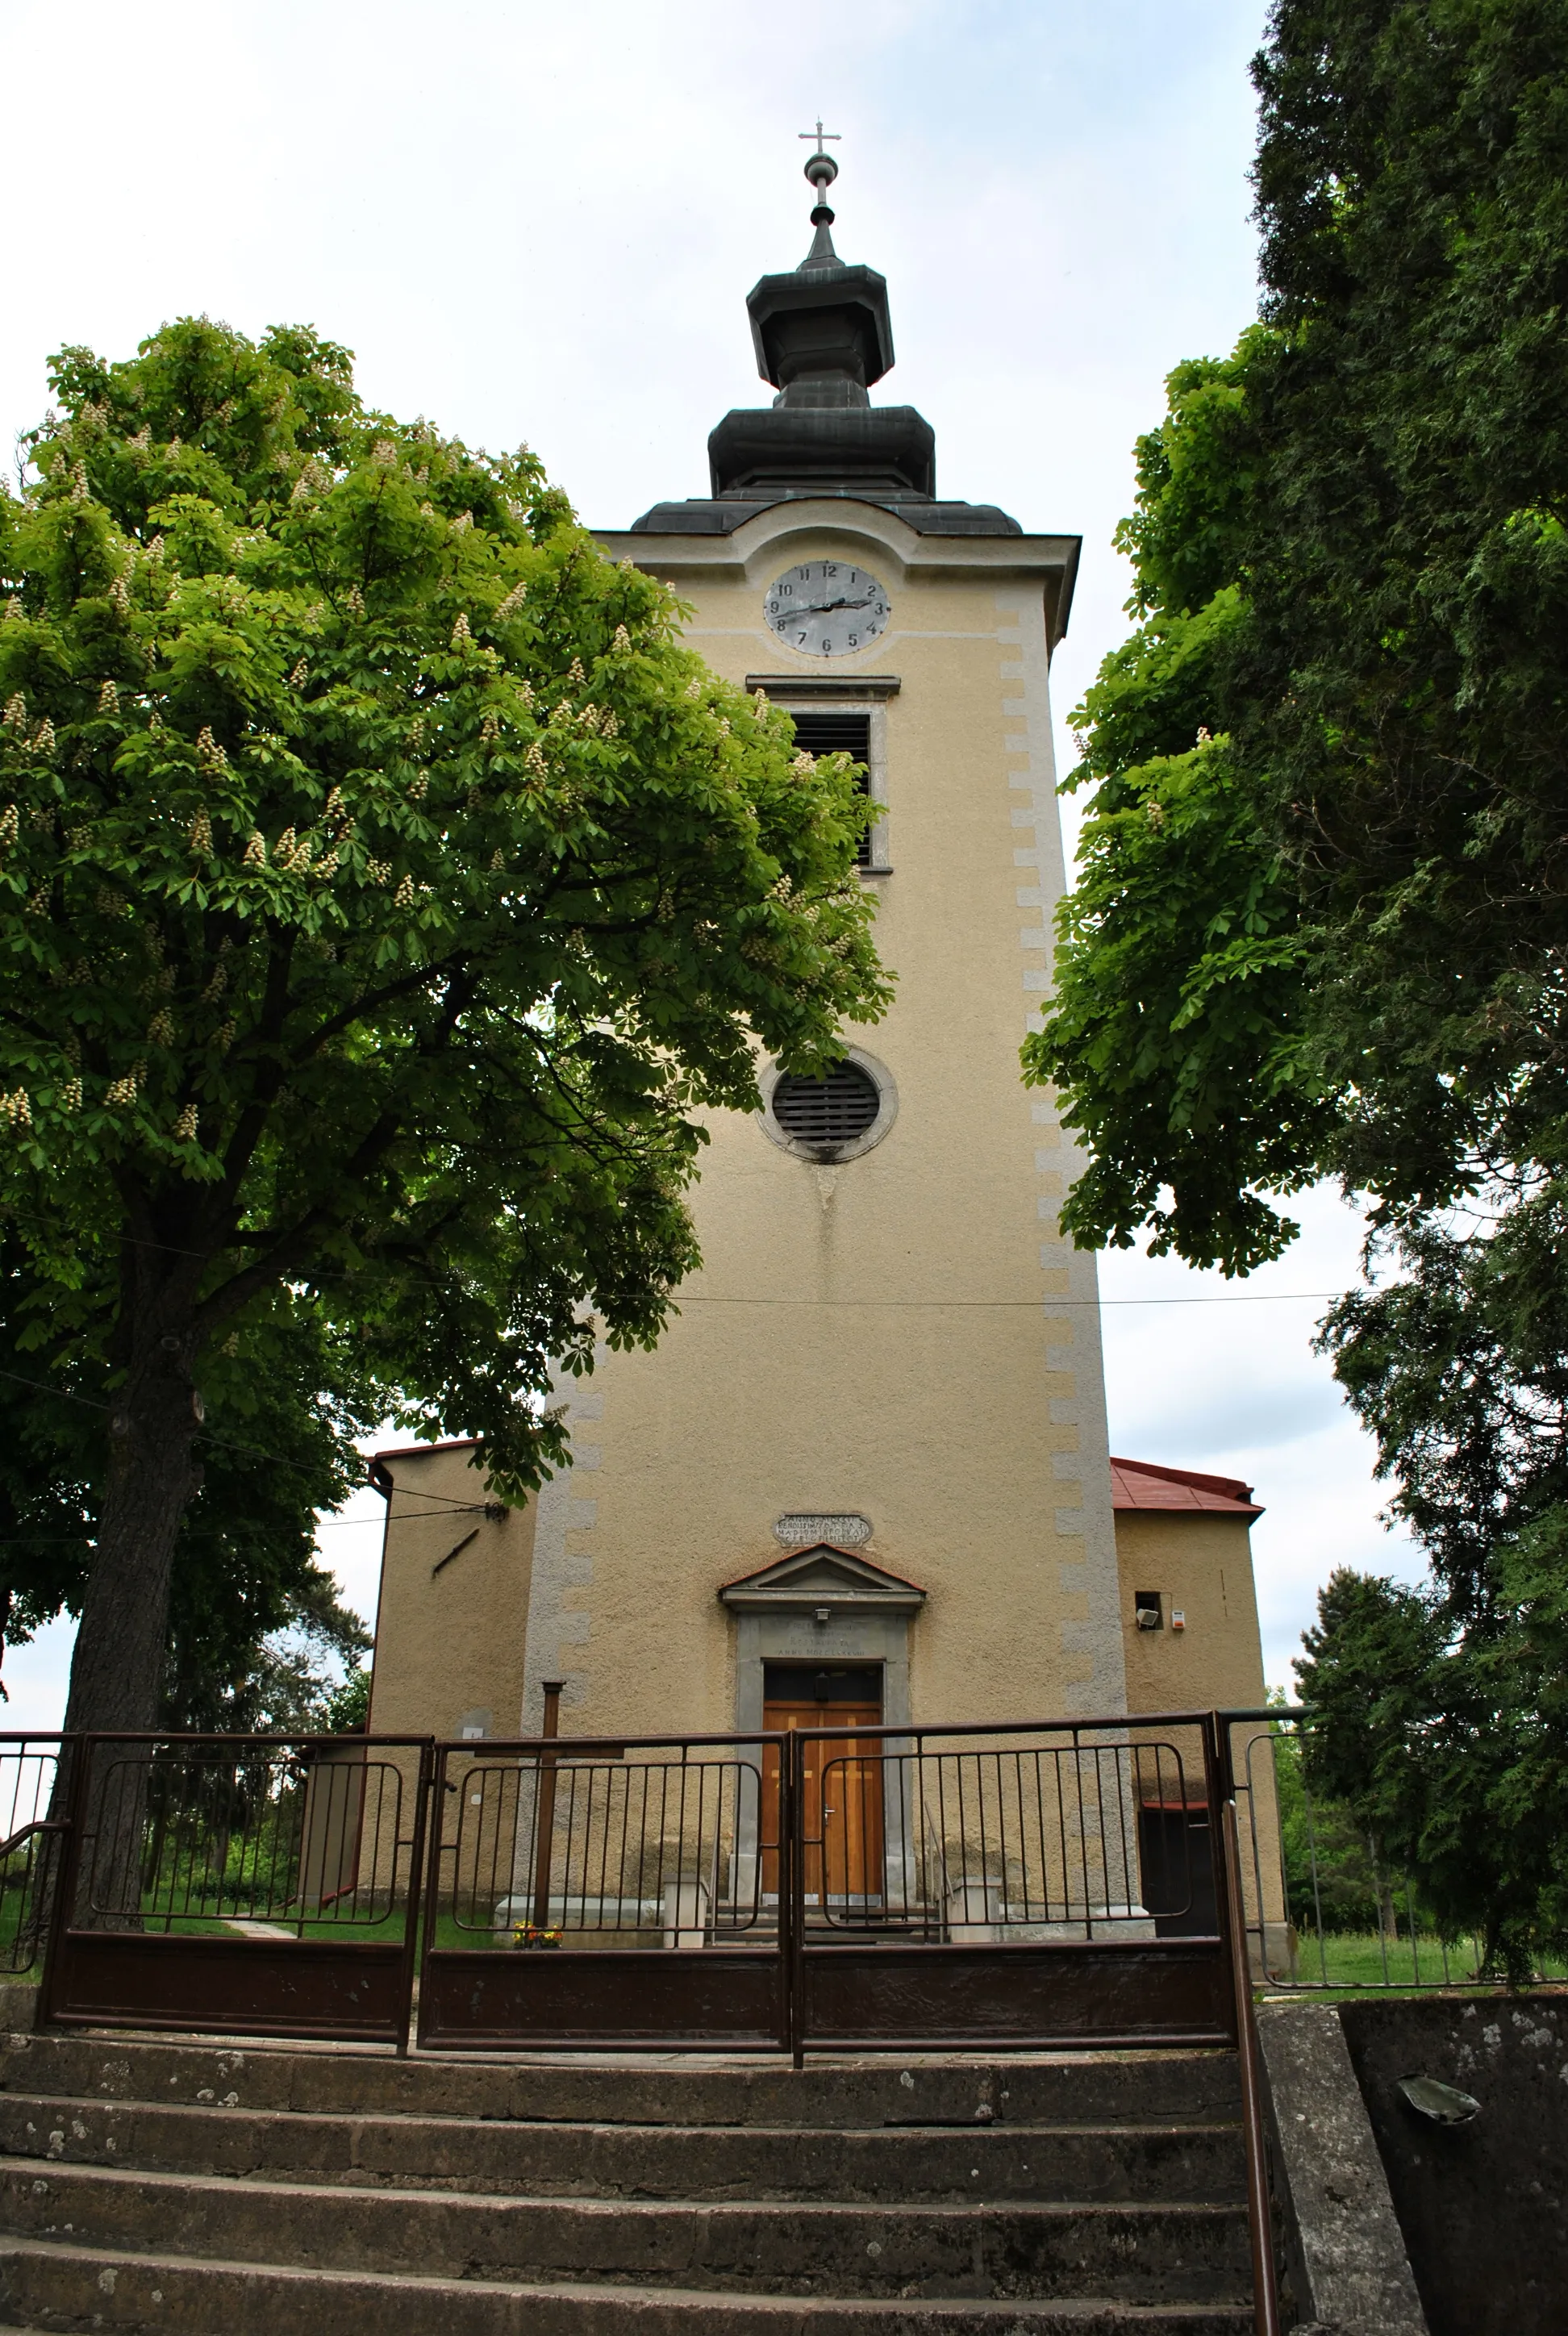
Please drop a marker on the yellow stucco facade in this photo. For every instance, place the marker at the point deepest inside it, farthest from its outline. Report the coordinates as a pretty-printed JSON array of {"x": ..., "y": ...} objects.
[
  {"x": 896, "y": 1344},
  {"x": 452, "y": 1615},
  {"x": 873, "y": 1338},
  {"x": 456, "y": 1584},
  {"x": 1201, "y": 1566}
]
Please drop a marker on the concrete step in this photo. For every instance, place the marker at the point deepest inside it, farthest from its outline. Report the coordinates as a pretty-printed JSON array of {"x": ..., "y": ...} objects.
[
  {"x": 69, "y": 2289},
  {"x": 1157, "y": 2254},
  {"x": 1066, "y": 2088},
  {"x": 898, "y": 2164}
]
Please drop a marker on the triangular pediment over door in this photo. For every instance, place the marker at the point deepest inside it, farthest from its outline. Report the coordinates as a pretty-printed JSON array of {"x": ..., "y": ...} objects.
[{"x": 822, "y": 1575}]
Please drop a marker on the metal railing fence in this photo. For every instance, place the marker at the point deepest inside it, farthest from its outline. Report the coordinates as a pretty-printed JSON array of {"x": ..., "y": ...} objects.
[
  {"x": 183, "y": 1833},
  {"x": 1035, "y": 1833},
  {"x": 572, "y": 1841},
  {"x": 1043, "y": 1832},
  {"x": 1028, "y": 1833},
  {"x": 240, "y": 1885},
  {"x": 32, "y": 1838},
  {"x": 1326, "y": 1911}
]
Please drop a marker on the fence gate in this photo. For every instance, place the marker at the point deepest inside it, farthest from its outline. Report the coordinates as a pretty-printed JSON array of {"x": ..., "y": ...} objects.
[
  {"x": 876, "y": 1887},
  {"x": 249, "y": 1886},
  {"x": 584, "y": 1892},
  {"x": 1033, "y": 1885}
]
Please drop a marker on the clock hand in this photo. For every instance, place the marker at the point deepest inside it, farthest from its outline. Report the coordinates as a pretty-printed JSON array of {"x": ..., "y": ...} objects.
[{"x": 826, "y": 608}]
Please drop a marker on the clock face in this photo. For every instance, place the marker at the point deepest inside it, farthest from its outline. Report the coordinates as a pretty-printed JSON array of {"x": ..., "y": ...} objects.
[{"x": 825, "y": 608}]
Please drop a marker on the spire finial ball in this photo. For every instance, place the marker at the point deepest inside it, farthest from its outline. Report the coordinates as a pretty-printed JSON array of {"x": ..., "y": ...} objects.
[{"x": 821, "y": 168}]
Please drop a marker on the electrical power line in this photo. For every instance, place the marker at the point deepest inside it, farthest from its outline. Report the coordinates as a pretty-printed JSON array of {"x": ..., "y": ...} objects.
[
  {"x": 1035, "y": 1305},
  {"x": 212, "y": 1532},
  {"x": 1216, "y": 1298},
  {"x": 440, "y": 1504}
]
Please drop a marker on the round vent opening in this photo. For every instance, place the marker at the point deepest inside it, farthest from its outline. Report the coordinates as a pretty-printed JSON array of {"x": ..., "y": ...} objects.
[{"x": 835, "y": 1110}]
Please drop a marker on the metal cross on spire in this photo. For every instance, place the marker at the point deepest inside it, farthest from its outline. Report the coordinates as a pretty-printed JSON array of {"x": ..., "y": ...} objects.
[{"x": 821, "y": 171}]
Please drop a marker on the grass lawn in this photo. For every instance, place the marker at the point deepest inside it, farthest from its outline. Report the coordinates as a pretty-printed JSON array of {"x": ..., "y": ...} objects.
[
  {"x": 204, "y": 1923},
  {"x": 1349, "y": 1961},
  {"x": 387, "y": 1932}
]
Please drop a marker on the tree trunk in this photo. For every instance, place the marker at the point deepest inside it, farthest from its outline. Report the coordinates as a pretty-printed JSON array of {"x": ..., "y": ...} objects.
[
  {"x": 1383, "y": 1887},
  {"x": 121, "y": 1645},
  {"x": 117, "y": 1670}
]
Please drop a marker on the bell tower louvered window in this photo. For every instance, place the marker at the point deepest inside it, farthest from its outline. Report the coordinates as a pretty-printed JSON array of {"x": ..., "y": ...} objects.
[
  {"x": 842, "y": 734},
  {"x": 835, "y": 1110}
]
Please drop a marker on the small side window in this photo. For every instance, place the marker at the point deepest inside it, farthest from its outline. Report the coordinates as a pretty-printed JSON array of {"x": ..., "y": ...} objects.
[{"x": 1149, "y": 1606}]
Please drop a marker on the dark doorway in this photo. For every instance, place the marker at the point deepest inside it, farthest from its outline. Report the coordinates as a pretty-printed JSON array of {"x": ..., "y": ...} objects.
[
  {"x": 798, "y": 1684},
  {"x": 843, "y": 1817},
  {"x": 1176, "y": 1858}
]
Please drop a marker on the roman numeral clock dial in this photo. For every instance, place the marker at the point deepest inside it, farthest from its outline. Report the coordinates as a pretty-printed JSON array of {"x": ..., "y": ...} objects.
[{"x": 825, "y": 608}]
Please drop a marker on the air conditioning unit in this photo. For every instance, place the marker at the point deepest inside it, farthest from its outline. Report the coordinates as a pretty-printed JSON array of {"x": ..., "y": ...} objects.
[{"x": 1148, "y": 1617}]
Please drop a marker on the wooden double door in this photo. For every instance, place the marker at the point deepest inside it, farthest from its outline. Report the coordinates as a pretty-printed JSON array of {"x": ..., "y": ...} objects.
[{"x": 842, "y": 1818}]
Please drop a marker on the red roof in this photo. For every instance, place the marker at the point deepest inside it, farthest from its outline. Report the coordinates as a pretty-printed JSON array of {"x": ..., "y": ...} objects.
[
  {"x": 1139, "y": 1485},
  {"x": 423, "y": 1451},
  {"x": 380, "y": 1474}
]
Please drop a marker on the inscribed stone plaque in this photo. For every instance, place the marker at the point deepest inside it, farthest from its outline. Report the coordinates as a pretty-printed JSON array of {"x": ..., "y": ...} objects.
[{"x": 800, "y": 1532}]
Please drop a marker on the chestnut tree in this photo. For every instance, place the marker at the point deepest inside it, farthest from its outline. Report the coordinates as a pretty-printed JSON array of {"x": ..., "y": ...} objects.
[{"x": 385, "y": 893}]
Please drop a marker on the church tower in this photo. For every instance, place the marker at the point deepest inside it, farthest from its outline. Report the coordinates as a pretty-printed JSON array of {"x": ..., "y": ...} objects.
[
  {"x": 864, "y": 1475},
  {"x": 870, "y": 1451}
]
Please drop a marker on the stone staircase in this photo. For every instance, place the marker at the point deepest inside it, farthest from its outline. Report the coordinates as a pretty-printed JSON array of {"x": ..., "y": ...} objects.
[{"x": 291, "y": 2191}]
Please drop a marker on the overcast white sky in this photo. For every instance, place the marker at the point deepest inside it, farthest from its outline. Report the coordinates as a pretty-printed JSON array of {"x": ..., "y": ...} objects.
[{"x": 537, "y": 222}]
